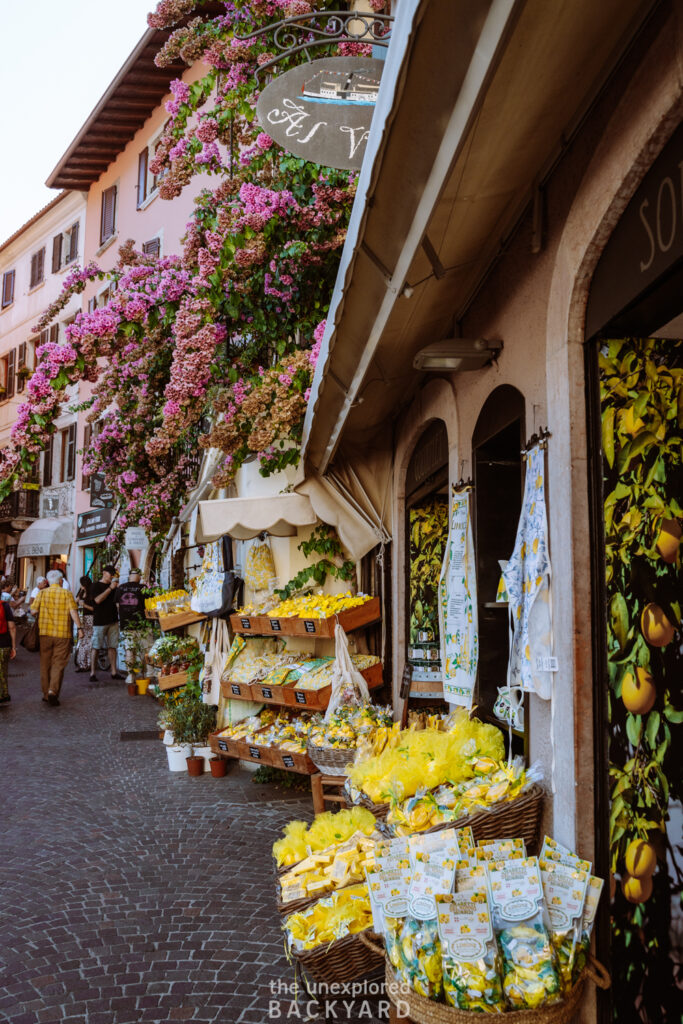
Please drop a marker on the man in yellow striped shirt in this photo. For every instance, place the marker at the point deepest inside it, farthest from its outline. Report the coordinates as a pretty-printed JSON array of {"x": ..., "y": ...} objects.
[{"x": 56, "y": 609}]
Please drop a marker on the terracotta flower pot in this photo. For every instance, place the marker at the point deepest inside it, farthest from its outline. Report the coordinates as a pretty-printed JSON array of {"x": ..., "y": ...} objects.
[
  {"x": 195, "y": 765},
  {"x": 132, "y": 689},
  {"x": 219, "y": 767}
]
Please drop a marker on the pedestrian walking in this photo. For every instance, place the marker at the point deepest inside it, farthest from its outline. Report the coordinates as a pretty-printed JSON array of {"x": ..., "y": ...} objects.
[
  {"x": 56, "y": 608},
  {"x": 105, "y": 634},
  {"x": 86, "y": 607},
  {"x": 8, "y": 648},
  {"x": 41, "y": 584}
]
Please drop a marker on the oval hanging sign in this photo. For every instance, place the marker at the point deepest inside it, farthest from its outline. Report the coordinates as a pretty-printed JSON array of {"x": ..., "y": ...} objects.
[{"x": 322, "y": 111}]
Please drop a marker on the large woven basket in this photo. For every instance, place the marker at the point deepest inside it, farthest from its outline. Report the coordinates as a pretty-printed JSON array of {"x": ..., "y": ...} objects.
[
  {"x": 513, "y": 819},
  {"x": 330, "y": 760},
  {"x": 343, "y": 960},
  {"x": 423, "y": 1011}
]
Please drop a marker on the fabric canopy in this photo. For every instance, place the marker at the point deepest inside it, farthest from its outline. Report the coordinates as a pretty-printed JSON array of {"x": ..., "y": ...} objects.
[
  {"x": 245, "y": 518},
  {"x": 46, "y": 537}
]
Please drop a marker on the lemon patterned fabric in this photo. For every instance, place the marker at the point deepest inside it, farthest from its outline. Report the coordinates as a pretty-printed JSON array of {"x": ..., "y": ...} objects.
[
  {"x": 527, "y": 578},
  {"x": 458, "y": 621}
]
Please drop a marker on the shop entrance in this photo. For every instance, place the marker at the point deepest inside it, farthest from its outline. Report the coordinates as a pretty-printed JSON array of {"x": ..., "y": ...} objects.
[
  {"x": 634, "y": 369},
  {"x": 498, "y": 489}
]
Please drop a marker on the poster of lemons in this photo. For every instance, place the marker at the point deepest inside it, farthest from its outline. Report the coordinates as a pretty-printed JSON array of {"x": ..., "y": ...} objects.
[{"x": 641, "y": 394}]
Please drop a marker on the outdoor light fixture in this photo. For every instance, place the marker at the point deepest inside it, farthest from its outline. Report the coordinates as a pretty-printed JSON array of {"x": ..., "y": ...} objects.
[{"x": 457, "y": 354}]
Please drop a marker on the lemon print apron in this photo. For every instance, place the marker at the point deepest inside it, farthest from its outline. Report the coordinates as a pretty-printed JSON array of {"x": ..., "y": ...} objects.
[
  {"x": 458, "y": 622},
  {"x": 527, "y": 580}
]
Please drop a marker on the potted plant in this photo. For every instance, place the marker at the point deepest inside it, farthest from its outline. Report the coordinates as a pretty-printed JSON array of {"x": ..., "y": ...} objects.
[
  {"x": 138, "y": 638},
  {"x": 174, "y": 719},
  {"x": 201, "y": 722}
]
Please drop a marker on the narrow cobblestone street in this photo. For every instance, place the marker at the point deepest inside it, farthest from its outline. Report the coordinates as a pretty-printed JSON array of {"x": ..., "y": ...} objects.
[{"x": 129, "y": 893}]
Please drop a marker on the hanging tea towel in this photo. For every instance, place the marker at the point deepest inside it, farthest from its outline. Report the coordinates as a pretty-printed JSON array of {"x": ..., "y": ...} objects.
[
  {"x": 348, "y": 685},
  {"x": 527, "y": 577},
  {"x": 259, "y": 570},
  {"x": 214, "y": 659},
  {"x": 458, "y": 621}
]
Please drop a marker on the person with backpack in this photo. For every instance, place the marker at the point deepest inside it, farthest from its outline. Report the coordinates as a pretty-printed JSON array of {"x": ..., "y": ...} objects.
[{"x": 8, "y": 648}]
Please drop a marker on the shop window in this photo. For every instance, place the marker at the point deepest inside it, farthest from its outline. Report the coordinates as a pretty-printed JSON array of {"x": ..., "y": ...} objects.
[
  {"x": 8, "y": 279},
  {"x": 498, "y": 474},
  {"x": 37, "y": 268},
  {"x": 426, "y": 537}
]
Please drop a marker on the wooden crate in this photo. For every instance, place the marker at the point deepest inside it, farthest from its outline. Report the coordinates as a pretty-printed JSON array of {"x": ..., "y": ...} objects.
[
  {"x": 254, "y": 752},
  {"x": 266, "y": 625},
  {"x": 238, "y": 691},
  {"x": 352, "y": 618},
  {"x": 317, "y": 700},
  {"x": 223, "y": 746},
  {"x": 269, "y": 694},
  {"x": 292, "y": 761},
  {"x": 172, "y": 680},
  {"x": 167, "y": 622}
]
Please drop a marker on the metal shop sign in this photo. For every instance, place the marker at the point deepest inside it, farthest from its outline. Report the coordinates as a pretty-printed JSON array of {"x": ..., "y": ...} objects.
[
  {"x": 322, "y": 111},
  {"x": 93, "y": 524},
  {"x": 101, "y": 496}
]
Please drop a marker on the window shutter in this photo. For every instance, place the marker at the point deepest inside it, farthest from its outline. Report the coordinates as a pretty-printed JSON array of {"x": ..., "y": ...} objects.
[
  {"x": 34, "y": 271},
  {"x": 8, "y": 288},
  {"x": 47, "y": 462},
  {"x": 108, "y": 214},
  {"x": 21, "y": 363},
  {"x": 73, "y": 247},
  {"x": 143, "y": 161},
  {"x": 87, "y": 437},
  {"x": 91, "y": 305},
  {"x": 153, "y": 247},
  {"x": 71, "y": 452},
  {"x": 11, "y": 372},
  {"x": 56, "y": 253},
  {"x": 54, "y": 334}
]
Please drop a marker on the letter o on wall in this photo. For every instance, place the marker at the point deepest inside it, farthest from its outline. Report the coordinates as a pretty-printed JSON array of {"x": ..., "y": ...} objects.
[{"x": 666, "y": 185}]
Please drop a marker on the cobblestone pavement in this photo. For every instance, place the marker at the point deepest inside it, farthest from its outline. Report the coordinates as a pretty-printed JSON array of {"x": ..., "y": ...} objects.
[{"x": 130, "y": 893}]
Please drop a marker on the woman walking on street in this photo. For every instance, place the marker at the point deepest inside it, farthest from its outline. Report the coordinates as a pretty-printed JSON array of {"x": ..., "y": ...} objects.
[
  {"x": 86, "y": 606},
  {"x": 8, "y": 647}
]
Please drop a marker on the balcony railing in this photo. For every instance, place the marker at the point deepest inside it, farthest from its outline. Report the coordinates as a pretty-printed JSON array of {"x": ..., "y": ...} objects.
[{"x": 20, "y": 505}]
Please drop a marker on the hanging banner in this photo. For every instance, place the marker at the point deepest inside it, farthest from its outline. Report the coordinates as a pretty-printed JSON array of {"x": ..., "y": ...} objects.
[
  {"x": 458, "y": 622},
  {"x": 527, "y": 578},
  {"x": 322, "y": 111}
]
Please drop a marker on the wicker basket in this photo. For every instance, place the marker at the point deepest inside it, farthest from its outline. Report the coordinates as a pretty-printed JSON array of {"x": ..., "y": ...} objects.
[
  {"x": 424, "y": 1011},
  {"x": 513, "y": 819},
  {"x": 343, "y": 960},
  {"x": 330, "y": 760}
]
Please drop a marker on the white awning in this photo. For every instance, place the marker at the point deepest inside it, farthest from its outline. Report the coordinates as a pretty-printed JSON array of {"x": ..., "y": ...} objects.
[
  {"x": 245, "y": 518},
  {"x": 46, "y": 537}
]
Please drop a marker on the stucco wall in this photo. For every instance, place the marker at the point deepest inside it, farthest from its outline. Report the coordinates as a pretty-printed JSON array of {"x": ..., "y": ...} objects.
[{"x": 536, "y": 304}]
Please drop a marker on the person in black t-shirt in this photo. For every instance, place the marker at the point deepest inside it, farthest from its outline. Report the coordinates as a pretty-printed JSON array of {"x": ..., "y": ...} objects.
[
  {"x": 105, "y": 632},
  {"x": 8, "y": 647}
]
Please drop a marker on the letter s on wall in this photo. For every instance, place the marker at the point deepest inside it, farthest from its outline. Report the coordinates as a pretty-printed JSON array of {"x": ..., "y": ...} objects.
[{"x": 641, "y": 214}]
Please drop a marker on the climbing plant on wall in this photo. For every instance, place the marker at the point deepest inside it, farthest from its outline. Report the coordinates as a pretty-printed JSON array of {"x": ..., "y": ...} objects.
[{"x": 641, "y": 392}]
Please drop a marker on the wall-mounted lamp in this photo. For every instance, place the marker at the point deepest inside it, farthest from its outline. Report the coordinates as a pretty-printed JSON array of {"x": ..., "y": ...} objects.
[{"x": 457, "y": 354}]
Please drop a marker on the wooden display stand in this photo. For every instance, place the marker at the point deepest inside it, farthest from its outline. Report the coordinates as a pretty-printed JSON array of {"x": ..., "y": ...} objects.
[
  {"x": 167, "y": 622},
  {"x": 172, "y": 680},
  {"x": 320, "y": 783},
  {"x": 292, "y": 696},
  {"x": 264, "y": 625}
]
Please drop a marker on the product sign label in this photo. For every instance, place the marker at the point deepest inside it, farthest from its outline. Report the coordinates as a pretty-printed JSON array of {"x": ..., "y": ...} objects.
[
  {"x": 222, "y": 745},
  {"x": 288, "y": 760},
  {"x": 309, "y": 626},
  {"x": 246, "y": 623},
  {"x": 255, "y": 752},
  {"x": 237, "y": 690},
  {"x": 464, "y": 923},
  {"x": 266, "y": 693},
  {"x": 300, "y": 697},
  {"x": 276, "y": 625}
]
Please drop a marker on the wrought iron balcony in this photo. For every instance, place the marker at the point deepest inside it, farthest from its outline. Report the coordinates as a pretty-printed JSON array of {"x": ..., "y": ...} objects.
[{"x": 20, "y": 505}]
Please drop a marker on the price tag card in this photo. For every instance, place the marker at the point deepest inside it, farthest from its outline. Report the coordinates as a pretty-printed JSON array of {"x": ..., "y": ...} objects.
[
  {"x": 310, "y": 626},
  {"x": 255, "y": 752},
  {"x": 300, "y": 697},
  {"x": 276, "y": 625},
  {"x": 245, "y": 623},
  {"x": 266, "y": 692},
  {"x": 288, "y": 760},
  {"x": 222, "y": 745},
  {"x": 237, "y": 690}
]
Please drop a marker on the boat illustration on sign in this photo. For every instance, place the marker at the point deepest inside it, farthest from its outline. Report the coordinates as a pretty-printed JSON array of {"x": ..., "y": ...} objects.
[{"x": 341, "y": 88}]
